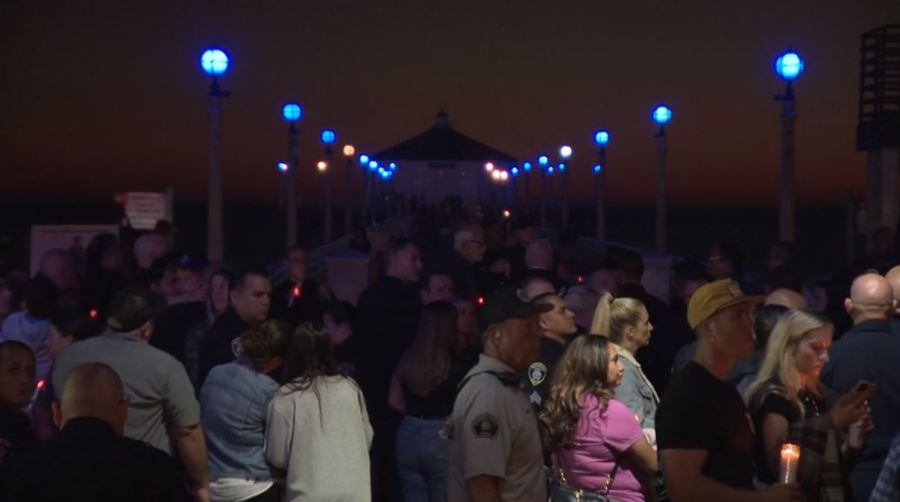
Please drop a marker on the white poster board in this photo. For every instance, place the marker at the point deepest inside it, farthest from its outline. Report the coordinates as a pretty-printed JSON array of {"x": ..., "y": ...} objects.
[{"x": 66, "y": 237}]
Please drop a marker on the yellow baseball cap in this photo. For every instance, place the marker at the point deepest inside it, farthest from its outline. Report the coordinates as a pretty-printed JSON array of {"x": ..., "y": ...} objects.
[{"x": 713, "y": 297}]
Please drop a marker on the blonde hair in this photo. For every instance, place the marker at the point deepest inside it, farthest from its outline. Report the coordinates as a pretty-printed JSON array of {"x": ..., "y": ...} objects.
[
  {"x": 612, "y": 316},
  {"x": 778, "y": 371}
]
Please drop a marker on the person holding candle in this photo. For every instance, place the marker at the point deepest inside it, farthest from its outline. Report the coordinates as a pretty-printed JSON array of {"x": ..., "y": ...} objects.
[
  {"x": 787, "y": 398},
  {"x": 703, "y": 431}
]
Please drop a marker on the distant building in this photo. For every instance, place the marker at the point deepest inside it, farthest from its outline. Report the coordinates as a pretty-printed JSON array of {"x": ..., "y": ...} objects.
[{"x": 441, "y": 162}]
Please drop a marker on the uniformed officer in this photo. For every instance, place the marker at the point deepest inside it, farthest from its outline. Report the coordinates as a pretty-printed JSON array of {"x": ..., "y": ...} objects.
[
  {"x": 557, "y": 329},
  {"x": 495, "y": 446}
]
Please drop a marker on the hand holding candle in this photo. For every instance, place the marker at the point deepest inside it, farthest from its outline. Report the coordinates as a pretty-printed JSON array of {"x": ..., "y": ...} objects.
[{"x": 790, "y": 459}]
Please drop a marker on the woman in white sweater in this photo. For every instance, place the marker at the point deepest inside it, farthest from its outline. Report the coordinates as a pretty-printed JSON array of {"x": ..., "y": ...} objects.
[{"x": 318, "y": 428}]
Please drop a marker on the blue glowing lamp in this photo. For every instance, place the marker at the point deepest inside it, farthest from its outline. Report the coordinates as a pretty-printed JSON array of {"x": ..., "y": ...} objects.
[
  {"x": 543, "y": 160},
  {"x": 373, "y": 165},
  {"x": 601, "y": 138},
  {"x": 392, "y": 166},
  {"x": 282, "y": 166},
  {"x": 550, "y": 170},
  {"x": 364, "y": 159},
  {"x": 514, "y": 171},
  {"x": 662, "y": 114},
  {"x": 597, "y": 168},
  {"x": 291, "y": 112},
  {"x": 561, "y": 167},
  {"x": 214, "y": 62},
  {"x": 328, "y": 136},
  {"x": 526, "y": 166},
  {"x": 789, "y": 65}
]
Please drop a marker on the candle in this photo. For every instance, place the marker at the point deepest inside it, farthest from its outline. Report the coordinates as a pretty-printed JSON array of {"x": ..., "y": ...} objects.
[{"x": 790, "y": 458}]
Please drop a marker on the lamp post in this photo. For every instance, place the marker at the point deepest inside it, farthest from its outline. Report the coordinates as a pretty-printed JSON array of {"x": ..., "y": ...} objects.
[
  {"x": 662, "y": 114},
  {"x": 363, "y": 160},
  {"x": 788, "y": 66},
  {"x": 214, "y": 62},
  {"x": 526, "y": 169},
  {"x": 348, "y": 151},
  {"x": 291, "y": 112},
  {"x": 544, "y": 161},
  {"x": 565, "y": 152},
  {"x": 601, "y": 139},
  {"x": 328, "y": 138}
]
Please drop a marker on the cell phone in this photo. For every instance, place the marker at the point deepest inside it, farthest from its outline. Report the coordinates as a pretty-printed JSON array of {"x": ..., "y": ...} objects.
[{"x": 862, "y": 391}]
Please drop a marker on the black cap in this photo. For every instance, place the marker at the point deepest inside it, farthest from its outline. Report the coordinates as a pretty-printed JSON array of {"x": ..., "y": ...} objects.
[
  {"x": 131, "y": 308},
  {"x": 509, "y": 303}
]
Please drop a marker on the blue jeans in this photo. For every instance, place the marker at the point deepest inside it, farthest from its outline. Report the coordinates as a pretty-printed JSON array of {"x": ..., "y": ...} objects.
[{"x": 422, "y": 460}]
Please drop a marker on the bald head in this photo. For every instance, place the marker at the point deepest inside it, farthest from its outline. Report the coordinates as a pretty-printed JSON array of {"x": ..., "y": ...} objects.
[
  {"x": 893, "y": 278},
  {"x": 871, "y": 298},
  {"x": 93, "y": 390},
  {"x": 786, "y": 298},
  {"x": 148, "y": 248}
]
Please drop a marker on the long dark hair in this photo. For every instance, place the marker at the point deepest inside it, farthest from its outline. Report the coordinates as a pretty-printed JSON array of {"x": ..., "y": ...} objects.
[
  {"x": 427, "y": 361},
  {"x": 309, "y": 357},
  {"x": 581, "y": 371}
]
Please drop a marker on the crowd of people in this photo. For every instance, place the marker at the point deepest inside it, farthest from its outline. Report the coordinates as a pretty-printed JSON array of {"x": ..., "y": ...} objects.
[{"x": 483, "y": 362}]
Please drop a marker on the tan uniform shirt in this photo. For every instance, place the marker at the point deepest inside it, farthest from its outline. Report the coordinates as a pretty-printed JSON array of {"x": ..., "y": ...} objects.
[{"x": 494, "y": 432}]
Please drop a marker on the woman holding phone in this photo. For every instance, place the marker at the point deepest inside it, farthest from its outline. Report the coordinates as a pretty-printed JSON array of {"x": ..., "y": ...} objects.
[{"x": 788, "y": 404}]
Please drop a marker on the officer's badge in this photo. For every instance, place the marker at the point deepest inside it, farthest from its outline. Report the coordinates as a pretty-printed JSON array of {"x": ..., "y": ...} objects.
[
  {"x": 537, "y": 373},
  {"x": 485, "y": 426}
]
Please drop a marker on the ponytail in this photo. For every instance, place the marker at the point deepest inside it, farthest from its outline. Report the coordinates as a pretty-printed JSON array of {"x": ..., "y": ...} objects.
[{"x": 600, "y": 323}]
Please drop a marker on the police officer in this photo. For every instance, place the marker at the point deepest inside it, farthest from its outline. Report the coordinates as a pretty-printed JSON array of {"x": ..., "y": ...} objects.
[
  {"x": 557, "y": 329},
  {"x": 495, "y": 446}
]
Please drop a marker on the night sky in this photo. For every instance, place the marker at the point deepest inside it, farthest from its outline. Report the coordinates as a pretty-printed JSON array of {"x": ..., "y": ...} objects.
[{"x": 102, "y": 96}]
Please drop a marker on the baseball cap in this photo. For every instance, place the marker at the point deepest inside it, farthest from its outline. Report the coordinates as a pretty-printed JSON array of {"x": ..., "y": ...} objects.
[
  {"x": 509, "y": 303},
  {"x": 131, "y": 308},
  {"x": 191, "y": 262},
  {"x": 713, "y": 297}
]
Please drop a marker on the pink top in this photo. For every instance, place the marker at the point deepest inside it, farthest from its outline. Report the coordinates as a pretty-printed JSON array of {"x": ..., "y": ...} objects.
[{"x": 595, "y": 443}]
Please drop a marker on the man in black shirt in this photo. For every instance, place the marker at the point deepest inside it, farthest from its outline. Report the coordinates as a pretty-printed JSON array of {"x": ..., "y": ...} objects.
[
  {"x": 557, "y": 329},
  {"x": 704, "y": 433},
  {"x": 249, "y": 299},
  {"x": 388, "y": 316},
  {"x": 89, "y": 459}
]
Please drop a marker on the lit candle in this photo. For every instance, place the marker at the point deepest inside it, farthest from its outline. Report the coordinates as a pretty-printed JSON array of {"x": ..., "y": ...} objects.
[{"x": 790, "y": 458}]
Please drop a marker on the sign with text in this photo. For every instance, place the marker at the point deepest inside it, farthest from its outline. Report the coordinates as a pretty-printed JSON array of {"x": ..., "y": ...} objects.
[
  {"x": 143, "y": 209},
  {"x": 74, "y": 238}
]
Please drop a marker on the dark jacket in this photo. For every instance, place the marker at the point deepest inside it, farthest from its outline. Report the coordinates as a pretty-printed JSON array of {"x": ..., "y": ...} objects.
[
  {"x": 216, "y": 348},
  {"x": 388, "y": 319},
  {"x": 89, "y": 461},
  {"x": 869, "y": 351}
]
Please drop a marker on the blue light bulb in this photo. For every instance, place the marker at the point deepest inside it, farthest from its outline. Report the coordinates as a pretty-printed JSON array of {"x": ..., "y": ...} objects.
[
  {"x": 328, "y": 136},
  {"x": 373, "y": 165},
  {"x": 514, "y": 171},
  {"x": 291, "y": 112},
  {"x": 601, "y": 137},
  {"x": 527, "y": 166},
  {"x": 543, "y": 160},
  {"x": 364, "y": 159},
  {"x": 662, "y": 114},
  {"x": 550, "y": 170},
  {"x": 789, "y": 65},
  {"x": 214, "y": 62},
  {"x": 597, "y": 168}
]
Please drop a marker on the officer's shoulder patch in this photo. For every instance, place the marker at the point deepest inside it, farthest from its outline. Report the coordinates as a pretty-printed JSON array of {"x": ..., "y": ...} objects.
[
  {"x": 537, "y": 373},
  {"x": 485, "y": 426}
]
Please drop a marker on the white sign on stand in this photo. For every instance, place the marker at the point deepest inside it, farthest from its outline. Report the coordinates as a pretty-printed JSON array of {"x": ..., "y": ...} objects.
[
  {"x": 144, "y": 209},
  {"x": 73, "y": 238}
]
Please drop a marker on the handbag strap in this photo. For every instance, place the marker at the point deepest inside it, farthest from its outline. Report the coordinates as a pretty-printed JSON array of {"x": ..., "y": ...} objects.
[{"x": 610, "y": 478}]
